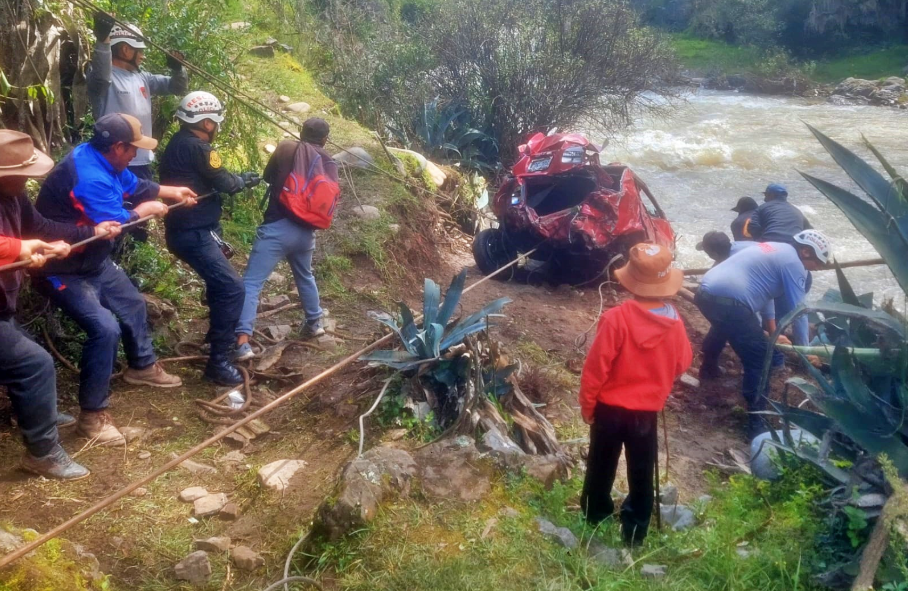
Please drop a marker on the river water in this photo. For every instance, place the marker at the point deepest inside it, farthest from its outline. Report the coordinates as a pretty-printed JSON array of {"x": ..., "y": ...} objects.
[{"x": 718, "y": 146}]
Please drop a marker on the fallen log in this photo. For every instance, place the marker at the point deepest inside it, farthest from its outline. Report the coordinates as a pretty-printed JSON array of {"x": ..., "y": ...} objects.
[{"x": 846, "y": 265}]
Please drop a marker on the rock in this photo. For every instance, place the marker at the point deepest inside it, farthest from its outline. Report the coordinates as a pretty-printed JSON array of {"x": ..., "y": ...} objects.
[
  {"x": 9, "y": 541},
  {"x": 367, "y": 212},
  {"x": 855, "y": 87},
  {"x": 262, "y": 51},
  {"x": 668, "y": 494},
  {"x": 509, "y": 512},
  {"x": 356, "y": 157},
  {"x": 270, "y": 148},
  {"x": 195, "y": 568},
  {"x": 870, "y": 501},
  {"x": 365, "y": 482},
  {"x": 139, "y": 492},
  {"x": 215, "y": 544},
  {"x": 233, "y": 457},
  {"x": 704, "y": 499},
  {"x": 396, "y": 434},
  {"x": 246, "y": 559},
  {"x": 763, "y": 452},
  {"x": 327, "y": 342},
  {"x": 277, "y": 278},
  {"x": 209, "y": 504},
  {"x": 284, "y": 98},
  {"x": 449, "y": 470},
  {"x": 437, "y": 175},
  {"x": 610, "y": 557},
  {"x": 193, "y": 493},
  {"x": 689, "y": 381},
  {"x": 279, "y": 332},
  {"x": 277, "y": 475},
  {"x": 678, "y": 517},
  {"x": 562, "y": 535},
  {"x": 230, "y": 512},
  {"x": 157, "y": 309},
  {"x": 653, "y": 571},
  {"x": 238, "y": 26},
  {"x": 274, "y": 302},
  {"x": 298, "y": 107},
  {"x": 498, "y": 444},
  {"x": 271, "y": 41},
  {"x": 196, "y": 468},
  {"x": 743, "y": 552},
  {"x": 132, "y": 433},
  {"x": 144, "y": 455},
  {"x": 546, "y": 469},
  {"x": 284, "y": 48},
  {"x": 394, "y": 228}
]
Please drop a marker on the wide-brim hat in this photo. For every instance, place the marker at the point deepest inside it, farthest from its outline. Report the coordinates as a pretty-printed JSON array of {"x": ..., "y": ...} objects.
[
  {"x": 649, "y": 272},
  {"x": 19, "y": 157}
]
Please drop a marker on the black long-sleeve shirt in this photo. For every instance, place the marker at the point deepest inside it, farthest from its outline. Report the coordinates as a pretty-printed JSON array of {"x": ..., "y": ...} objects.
[
  {"x": 20, "y": 219},
  {"x": 189, "y": 161}
]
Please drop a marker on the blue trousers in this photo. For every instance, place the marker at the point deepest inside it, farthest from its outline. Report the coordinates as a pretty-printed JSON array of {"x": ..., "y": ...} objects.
[
  {"x": 279, "y": 240},
  {"x": 107, "y": 306},
  {"x": 28, "y": 373},
  {"x": 223, "y": 285}
]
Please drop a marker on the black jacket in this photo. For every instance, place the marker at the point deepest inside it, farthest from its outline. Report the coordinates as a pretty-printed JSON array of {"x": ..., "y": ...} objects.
[
  {"x": 737, "y": 226},
  {"x": 189, "y": 161},
  {"x": 777, "y": 221},
  {"x": 19, "y": 219}
]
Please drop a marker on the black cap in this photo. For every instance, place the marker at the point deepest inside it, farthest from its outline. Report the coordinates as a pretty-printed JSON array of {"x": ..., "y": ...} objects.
[
  {"x": 315, "y": 130},
  {"x": 745, "y": 204},
  {"x": 714, "y": 242}
]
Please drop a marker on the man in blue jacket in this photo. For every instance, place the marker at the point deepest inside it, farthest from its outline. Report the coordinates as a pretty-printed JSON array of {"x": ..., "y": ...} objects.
[
  {"x": 88, "y": 187},
  {"x": 733, "y": 291},
  {"x": 776, "y": 220}
]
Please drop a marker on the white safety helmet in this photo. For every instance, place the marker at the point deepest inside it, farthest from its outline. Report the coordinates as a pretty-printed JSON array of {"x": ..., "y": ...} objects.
[
  {"x": 817, "y": 241},
  {"x": 200, "y": 105},
  {"x": 130, "y": 35}
]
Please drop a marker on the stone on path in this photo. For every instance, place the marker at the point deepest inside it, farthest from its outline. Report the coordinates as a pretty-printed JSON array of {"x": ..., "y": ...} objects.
[
  {"x": 653, "y": 571},
  {"x": 689, "y": 381},
  {"x": 678, "y": 516},
  {"x": 246, "y": 559},
  {"x": 668, "y": 494},
  {"x": 189, "y": 495},
  {"x": 132, "y": 433},
  {"x": 262, "y": 51},
  {"x": 270, "y": 148},
  {"x": 277, "y": 475},
  {"x": 300, "y": 107},
  {"x": 327, "y": 342},
  {"x": 139, "y": 492},
  {"x": 611, "y": 557},
  {"x": 144, "y": 455},
  {"x": 215, "y": 544},
  {"x": 367, "y": 212},
  {"x": 356, "y": 157},
  {"x": 562, "y": 535},
  {"x": 195, "y": 568},
  {"x": 209, "y": 504},
  {"x": 274, "y": 302},
  {"x": 279, "y": 332},
  {"x": 284, "y": 98},
  {"x": 197, "y": 468},
  {"x": 230, "y": 512}
]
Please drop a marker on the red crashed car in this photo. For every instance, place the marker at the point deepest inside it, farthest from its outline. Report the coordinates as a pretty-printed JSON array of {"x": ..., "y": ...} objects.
[{"x": 579, "y": 213}]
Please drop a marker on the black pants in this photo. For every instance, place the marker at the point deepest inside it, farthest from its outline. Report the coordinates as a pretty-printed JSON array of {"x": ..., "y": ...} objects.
[
  {"x": 223, "y": 285},
  {"x": 28, "y": 373},
  {"x": 636, "y": 431}
]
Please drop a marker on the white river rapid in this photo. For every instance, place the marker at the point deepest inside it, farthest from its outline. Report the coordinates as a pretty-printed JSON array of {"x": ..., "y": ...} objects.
[{"x": 719, "y": 146}]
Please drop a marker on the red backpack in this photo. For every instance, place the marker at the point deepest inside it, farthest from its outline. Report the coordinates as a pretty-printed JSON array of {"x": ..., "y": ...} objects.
[{"x": 309, "y": 192}]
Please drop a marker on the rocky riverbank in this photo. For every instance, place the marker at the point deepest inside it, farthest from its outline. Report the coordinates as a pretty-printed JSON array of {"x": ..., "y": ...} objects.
[{"x": 889, "y": 92}]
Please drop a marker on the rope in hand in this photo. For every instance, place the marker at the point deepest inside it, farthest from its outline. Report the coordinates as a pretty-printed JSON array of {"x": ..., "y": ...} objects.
[{"x": 142, "y": 220}]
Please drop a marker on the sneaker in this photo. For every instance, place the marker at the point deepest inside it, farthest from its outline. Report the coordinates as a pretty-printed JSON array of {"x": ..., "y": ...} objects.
[
  {"x": 99, "y": 428},
  {"x": 57, "y": 464},
  {"x": 65, "y": 420},
  {"x": 312, "y": 330},
  {"x": 220, "y": 371},
  {"x": 243, "y": 352},
  {"x": 153, "y": 375}
]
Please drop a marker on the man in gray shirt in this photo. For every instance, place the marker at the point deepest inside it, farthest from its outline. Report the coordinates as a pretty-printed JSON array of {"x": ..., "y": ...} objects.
[{"x": 116, "y": 84}]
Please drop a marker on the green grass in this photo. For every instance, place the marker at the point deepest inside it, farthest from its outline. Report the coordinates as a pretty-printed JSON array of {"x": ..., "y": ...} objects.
[
  {"x": 413, "y": 545},
  {"x": 881, "y": 63},
  {"x": 706, "y": 55}
]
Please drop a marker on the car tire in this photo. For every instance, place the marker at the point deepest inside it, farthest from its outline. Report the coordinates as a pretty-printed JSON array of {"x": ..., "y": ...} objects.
[{"x": 490, "y": 251}]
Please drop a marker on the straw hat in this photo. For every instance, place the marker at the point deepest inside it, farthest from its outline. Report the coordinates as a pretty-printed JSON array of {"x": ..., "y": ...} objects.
[
  {"x": 19, "y": 157},
  {"x": 649, "y": 272}
]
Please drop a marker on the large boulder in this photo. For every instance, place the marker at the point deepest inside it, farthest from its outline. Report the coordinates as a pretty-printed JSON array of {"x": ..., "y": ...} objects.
[
  {"x": 365, "y": 482},
  {"x": 356, "y": 157},
  {"x": 764, "y": 454},
  {"x": 855, "y": 87},
  {"x": 453, "y": 470}
]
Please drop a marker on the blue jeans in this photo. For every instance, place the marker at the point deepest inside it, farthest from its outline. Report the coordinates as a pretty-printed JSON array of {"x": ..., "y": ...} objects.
[
  {"x": 279, "y": 240},
  {"x": 28, "y": 373},
  {"x": 106, "y": 305}
]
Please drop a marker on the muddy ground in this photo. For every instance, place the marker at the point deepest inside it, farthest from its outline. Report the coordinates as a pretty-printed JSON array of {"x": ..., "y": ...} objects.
[{"x": 141, "y": 537}]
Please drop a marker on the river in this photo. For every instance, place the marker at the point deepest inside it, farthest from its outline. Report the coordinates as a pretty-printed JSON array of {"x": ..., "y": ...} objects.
[{"x": 718, "y": 146}]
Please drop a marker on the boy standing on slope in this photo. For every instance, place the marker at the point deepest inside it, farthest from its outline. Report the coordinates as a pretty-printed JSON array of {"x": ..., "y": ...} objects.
[{"x": 641, "y": 347}]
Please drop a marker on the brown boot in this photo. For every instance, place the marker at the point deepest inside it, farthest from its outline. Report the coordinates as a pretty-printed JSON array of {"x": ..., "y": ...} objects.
[
  {"x": 153, "y": 375},
  {"x": 99, "y": 428}
]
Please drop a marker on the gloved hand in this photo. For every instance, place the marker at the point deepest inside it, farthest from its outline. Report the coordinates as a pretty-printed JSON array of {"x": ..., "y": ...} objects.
[
  {"x": 251, "y": 179},
  {"x": 173, "y": 60},
  {"x": 103, "y": 25}
]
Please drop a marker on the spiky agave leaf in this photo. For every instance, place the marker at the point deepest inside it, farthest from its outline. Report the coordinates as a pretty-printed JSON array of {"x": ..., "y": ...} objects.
[
  {"x": 473, "y": 323},
  {"x": 399, "y": 360},
  {"x": 431, "y": 299},
  {"x": 898, "y": 180},
  {"x": 452, "y": 298}
]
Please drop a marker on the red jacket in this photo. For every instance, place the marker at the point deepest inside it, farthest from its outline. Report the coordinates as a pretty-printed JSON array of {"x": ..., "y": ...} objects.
[
  {"x": 635, "y": 359},
  {"x": 9, "y": 249}
]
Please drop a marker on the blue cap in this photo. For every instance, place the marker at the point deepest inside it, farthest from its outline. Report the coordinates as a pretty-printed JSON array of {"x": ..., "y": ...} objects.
[{"x": 776, "y": 189}]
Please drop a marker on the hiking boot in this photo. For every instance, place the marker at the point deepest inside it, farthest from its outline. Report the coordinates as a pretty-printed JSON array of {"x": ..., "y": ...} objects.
[
  {"x": 312, "y": 330},
  {"x": 711, "y": 372},
  {"x": 243, "y": 352},
  {"x": 57, "y": 464},
  {"x": 98, "y": 427},
  {"x": 220, "y": 371},
  {"x": 65, "y": 420},
  {"x": 153, "y": 375}
]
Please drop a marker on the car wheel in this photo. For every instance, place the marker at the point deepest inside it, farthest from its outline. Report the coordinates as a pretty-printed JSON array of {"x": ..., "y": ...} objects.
[{"x": 490, "y": 251}]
